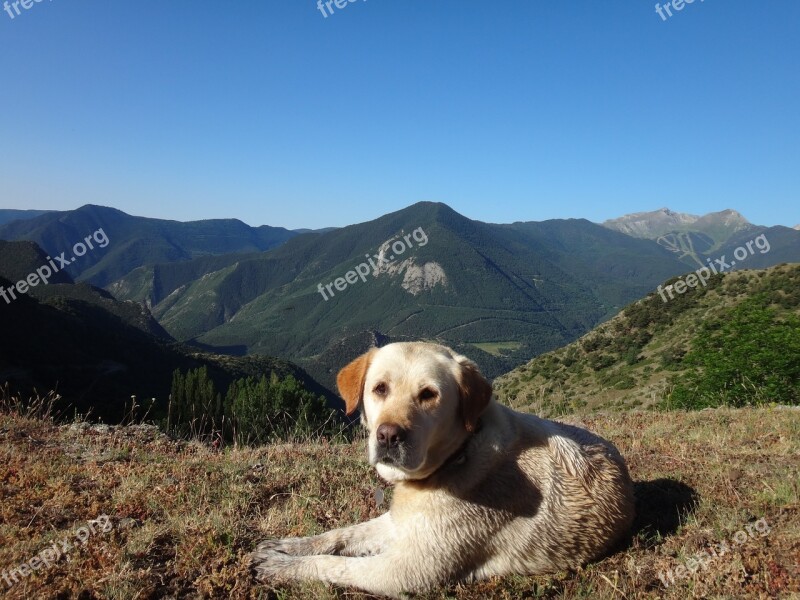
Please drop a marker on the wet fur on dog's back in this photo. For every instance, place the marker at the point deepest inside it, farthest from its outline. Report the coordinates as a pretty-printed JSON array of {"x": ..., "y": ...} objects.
[{"x": 480, "y": 489}]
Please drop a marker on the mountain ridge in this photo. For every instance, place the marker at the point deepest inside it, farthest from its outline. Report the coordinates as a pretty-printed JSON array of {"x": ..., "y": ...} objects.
[
  {"x": 694, "y": 239},
  {"x": 521, "y": 287},
  {"x": 138, "y": 241},
  {"x": 654, "y": 224},
  {"x": 8, "y": 215}
]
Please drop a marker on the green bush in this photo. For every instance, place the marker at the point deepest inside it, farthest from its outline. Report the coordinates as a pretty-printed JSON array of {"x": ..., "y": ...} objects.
[
  {"x": 255, "y": 411},
  {"x": 748, "y": 356},
  {"x": 260, "y": 411},
  {"x": 632, "y": 356},
  {"x": 672, "y": 358},
  {"x": 195, "y": 407},
  {"x": 598, "y": 362}
]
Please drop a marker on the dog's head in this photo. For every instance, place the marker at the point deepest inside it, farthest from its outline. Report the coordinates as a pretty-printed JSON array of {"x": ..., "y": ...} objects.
[{"x": 419, "y": 402}]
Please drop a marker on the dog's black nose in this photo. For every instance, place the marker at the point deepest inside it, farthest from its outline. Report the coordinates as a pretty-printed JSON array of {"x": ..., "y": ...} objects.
[{"x": 390, "y": 435}]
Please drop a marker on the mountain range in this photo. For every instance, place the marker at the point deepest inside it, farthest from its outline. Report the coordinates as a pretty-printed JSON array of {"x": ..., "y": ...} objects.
[
  {"x": 504, "y": 292},
  {"x": 694, "y": 239},
  {"x": 654, "y": 224},
  {"x": 138, "y": 241},
  {"x": 501, "y": 293}
]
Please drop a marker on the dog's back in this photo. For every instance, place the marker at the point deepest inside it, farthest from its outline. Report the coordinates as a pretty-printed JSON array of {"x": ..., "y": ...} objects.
[{"x": 555, "y": 496}]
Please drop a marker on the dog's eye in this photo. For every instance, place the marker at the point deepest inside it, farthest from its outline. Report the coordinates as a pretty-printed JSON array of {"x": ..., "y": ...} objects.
[
  {"x": 427, "y": 394},
  {"x": 380, "y": 389}
]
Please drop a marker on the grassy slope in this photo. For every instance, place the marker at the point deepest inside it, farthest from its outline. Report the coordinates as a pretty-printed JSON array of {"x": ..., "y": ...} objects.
[
  {"x": 606, "y": 368},
  {"x": 184, "y": 516}
]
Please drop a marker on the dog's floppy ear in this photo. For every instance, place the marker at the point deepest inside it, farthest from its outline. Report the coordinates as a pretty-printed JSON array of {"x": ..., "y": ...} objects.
[
  {"x": 350, "y": 381},
  {"x": 475, "y": 392}
]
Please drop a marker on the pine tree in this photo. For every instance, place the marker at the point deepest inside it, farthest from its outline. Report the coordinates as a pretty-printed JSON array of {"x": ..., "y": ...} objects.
[{"x": 196, "y": 406}]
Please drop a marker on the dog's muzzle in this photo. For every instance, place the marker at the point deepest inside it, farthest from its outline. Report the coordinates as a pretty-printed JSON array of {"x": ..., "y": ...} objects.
[{"x": 391, "y": 447}]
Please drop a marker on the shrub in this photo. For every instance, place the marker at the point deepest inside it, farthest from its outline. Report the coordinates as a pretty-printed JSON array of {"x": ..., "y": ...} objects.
[
  {"x": 255, "y": 411},
  {"x": 263, "y": 410},
  {"x": 748, "y": 356},
  {"x": 195, "y": 407},
  {"x": 599, "y": 362}
]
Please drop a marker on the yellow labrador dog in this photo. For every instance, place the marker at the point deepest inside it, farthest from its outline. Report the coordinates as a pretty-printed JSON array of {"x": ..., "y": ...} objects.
[{"x": 480, "y": 489}]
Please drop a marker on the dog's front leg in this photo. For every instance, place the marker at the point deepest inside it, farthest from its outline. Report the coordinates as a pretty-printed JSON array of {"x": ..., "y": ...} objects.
[
  {"x": 387, "y": 574},
  {"x": 364, "y": 539}
]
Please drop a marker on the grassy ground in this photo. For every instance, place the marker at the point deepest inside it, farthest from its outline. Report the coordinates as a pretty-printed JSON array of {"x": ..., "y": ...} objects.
[
  {"x": 498, "y": 348},
  {"x": 182, "y": 516}
]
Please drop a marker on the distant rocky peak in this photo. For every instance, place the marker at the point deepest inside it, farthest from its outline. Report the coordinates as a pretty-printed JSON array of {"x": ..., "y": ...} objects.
[{"x": 657, "y": 223}]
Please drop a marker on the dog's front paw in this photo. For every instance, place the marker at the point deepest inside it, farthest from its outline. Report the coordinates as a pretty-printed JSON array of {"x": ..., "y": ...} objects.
[
  {"x": 272, "y": 566},
  {"x": 290, "y": 546}
]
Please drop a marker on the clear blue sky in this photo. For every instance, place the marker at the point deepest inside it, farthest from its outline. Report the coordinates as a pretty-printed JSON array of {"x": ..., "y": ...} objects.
[{"x": 515, "y": 110}]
